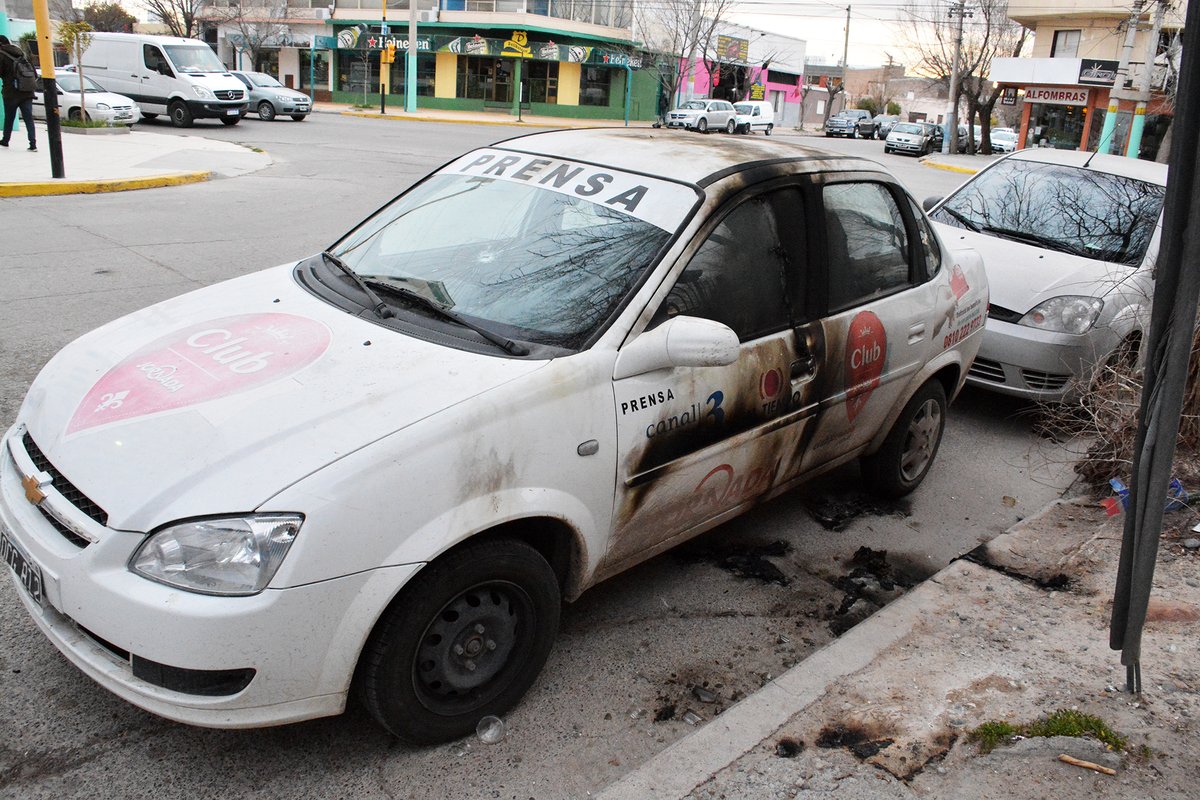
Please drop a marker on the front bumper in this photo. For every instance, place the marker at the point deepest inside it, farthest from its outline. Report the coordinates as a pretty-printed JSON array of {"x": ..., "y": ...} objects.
[
  {"x": 915, "y": 148},
  {"x": 172, "y": 652},
  {"x": 213, "y": 109},
  {"x": 1038, "y": 365}
]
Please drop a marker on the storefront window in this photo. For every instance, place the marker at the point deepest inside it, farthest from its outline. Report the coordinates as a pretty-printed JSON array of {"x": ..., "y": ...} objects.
[
  {"x": 318, "y": 67},
  {"x": 594, "y": 85},
  {"x": 487, "y": 79},
  {"x": 267, "y": 61},
  {"x": 543, "y": 81},
  {"x": 426, "y": 66},
  {"x": 358, "y": 71},
  {"x": 1120, "y": 134},
  {"x": 1060, "y": 127}
]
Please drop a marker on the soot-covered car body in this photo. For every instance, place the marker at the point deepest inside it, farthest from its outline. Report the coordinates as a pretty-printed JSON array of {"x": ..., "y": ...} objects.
[{"x": 388, "y": 463}]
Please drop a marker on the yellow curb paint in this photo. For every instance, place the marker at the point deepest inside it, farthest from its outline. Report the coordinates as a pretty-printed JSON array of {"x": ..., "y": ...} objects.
[
  {"x": 43, "y": 188},
  {"x": 556, "y": 123},
  {"x": 950, "y": 167}
]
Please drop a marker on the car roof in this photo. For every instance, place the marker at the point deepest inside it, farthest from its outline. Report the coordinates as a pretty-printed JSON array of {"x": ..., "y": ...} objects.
[
  {"x": 1138, "y": 169},
  {"x": 699, "y": 160}
]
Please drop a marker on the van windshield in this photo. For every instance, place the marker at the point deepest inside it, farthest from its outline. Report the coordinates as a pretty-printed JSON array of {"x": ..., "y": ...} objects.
[{"x": 194, "y": 59}]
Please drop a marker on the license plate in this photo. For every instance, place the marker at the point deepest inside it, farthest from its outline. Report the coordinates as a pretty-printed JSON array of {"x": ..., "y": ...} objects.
[
  {"x": 28, "y": 573},
  {"x": 233, "y": 112}
]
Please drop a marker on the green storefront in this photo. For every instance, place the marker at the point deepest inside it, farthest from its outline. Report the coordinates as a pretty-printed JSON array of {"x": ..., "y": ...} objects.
[{"x": 485, "y": 69}]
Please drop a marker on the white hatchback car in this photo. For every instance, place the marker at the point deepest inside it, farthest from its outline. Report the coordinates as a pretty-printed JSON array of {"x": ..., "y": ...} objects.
[
  {"x": 387, "y": 464},
  {"x": 1069, "y": 241},
  {"x": 77, "y": 93}
]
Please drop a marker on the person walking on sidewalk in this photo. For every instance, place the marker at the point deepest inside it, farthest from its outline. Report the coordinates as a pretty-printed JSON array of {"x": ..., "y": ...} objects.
[{"x": 15, "y": 70}]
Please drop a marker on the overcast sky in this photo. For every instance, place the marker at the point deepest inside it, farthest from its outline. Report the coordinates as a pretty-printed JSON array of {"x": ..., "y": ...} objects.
[{"x": 874, "y": 27}]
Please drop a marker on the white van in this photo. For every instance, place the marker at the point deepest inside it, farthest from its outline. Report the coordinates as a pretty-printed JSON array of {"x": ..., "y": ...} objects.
[
  {"x": 166, "y": 75},
  {"x": 755, "y": 115}
]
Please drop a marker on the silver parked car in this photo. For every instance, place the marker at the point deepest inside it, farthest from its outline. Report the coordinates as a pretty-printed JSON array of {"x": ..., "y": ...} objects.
[
  {"x": 271, "y": 98},
  {"x": 1069, "y": 242},
  {"x": 917, "y": 138},
  {"x": 704, "y": 116}
]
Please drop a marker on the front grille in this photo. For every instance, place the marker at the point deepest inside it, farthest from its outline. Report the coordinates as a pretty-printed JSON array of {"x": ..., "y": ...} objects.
[
  {"x": 203, "y": 682},
  {"x": 1044, "y": 381},
  {"x": 64, "y": 486},
  {"x": 228, "y": 94},
  {"x": 1004, "y": 314},
  {"x": 68, "y": 534},
  {"x": 987, "y": 370}
]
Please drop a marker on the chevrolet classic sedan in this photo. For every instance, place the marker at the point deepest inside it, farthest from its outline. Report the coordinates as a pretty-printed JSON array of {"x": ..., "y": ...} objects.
[{"x": 379, "y": 471}]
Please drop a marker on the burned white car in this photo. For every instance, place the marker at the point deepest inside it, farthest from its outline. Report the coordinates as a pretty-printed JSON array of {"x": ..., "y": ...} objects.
[{"x": 384, "y": 467}]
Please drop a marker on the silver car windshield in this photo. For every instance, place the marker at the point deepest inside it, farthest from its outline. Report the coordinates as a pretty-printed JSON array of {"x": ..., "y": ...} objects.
[
  {"x": 263, "y": 80},
  {"x": 907, "y": 127},
  {"x": 1080, "y": 211},
  {"x": 544, "y": 251}
]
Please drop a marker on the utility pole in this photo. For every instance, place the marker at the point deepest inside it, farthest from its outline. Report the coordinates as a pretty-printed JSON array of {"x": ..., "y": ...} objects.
[
  {"x": 1143, "y": 84},
  {"x": 410, "y": 61},
  {"x": 41, "y": 17},
  {"x": 950, "y": 132},
  {"x": 845, "y": 67},
  {"x": 384, "y": 66},
  {"x": 1118, "y": 93}
]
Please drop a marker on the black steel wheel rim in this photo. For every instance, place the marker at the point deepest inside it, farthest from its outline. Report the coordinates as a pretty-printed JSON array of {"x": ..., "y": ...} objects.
[{"x": 473, "y": 647}]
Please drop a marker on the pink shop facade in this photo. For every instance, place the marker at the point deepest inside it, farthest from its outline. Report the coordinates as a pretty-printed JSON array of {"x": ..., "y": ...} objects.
[{"x": 753, "y": 66}]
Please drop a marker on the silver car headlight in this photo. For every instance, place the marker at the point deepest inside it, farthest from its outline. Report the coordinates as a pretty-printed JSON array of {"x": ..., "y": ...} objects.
[
  {"x": 1066, "y": 314},
  {"x": 283, "y": 98},
  {"x": 203, "y": 93},
  {"x": 227, "y": 556},
  {"x": 103, "y": 107}
]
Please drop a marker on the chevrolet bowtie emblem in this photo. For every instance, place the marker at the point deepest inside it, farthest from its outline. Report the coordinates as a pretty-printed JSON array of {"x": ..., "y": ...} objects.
[{"x": 33, "y": 489}]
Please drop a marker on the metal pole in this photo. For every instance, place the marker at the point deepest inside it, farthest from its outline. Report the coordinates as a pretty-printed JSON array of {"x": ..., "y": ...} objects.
[
  {"x": 41, "y": 16},
  {"x": 628, "y": 89},
  {"x": 1143, "y": 88},
  {"x": 4, "y": 31},
  {"x": 312, "y": 57},
  {"x": 410, "y": 61},
  {"x": 950, "y": 132}
]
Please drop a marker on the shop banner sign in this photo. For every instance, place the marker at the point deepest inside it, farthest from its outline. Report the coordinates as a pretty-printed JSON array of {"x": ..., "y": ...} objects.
[
  {"x": 758, "y": 92},
  {"x": 731, "y": 48},
  {"x": 1009, "y": 96},
  {"x": 1056, "y": 96},
  {"x": 1098, "y": 73},
  {"x": 363, "y": 37}
]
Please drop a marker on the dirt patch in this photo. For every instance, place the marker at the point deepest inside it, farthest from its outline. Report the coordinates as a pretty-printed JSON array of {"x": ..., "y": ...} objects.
[{"x": 1171, "y": 611}]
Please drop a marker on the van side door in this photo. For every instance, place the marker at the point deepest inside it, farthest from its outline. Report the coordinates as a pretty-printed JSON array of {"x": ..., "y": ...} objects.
[{"x": 156, "y": 79}]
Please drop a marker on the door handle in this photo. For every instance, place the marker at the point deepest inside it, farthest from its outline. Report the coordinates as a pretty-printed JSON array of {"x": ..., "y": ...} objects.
[
  {"x": 803, "y": 367},
  {"x": 916, "y": 332}
]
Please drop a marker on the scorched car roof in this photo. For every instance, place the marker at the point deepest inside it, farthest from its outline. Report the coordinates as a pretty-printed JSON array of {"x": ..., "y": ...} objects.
[{"x": 690, "y": 157}]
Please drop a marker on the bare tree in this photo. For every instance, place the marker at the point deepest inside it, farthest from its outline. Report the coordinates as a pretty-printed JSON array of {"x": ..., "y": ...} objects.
[
  {"x": 988, "y": 33},
  {"x": 182, "y": 17},
  {"x": 259, "y": 25},
  {"x": 681, "y": 31}
]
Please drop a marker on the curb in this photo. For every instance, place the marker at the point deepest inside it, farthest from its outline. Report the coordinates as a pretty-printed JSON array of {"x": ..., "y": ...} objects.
[
  {"x": 45, "y": 188},
  {"x": 676, "y": 771},
  {"x": 928, "y": 162}
]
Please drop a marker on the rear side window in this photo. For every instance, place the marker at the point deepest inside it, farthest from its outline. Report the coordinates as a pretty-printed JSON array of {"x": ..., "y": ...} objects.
[{"x": 867, "y": 244}]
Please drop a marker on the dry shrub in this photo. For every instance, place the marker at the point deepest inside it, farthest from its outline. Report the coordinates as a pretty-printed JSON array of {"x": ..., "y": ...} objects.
[{"x": 1108, "y": 414}]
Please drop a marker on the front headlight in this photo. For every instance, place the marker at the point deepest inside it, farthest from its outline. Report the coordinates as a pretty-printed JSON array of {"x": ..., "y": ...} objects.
[
  {"x": 203, "y": 93},
  {"x": 283, "y": 98},
  {"x": 103, "y": 107},
  {"x": 228, "y": 556},
  {"x": 1066, "y": 314}
]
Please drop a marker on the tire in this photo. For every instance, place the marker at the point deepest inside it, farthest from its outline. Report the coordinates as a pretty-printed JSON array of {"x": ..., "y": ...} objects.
[
  {"x": 731, "y": 126},
  {"x": 299, "y": 117},
  {"x": 854, "y": 134},
  {"x": 230, "y": 121},
  {"x": 74, "y": 115},
  {"x": 770, "y": 127},
  {"x": 465, "y": 639},
  {"x": 899, "y": 466},
  {"x": 266, "y": 111},
  {"x": 149, "y": 116},
  {"x": 181, "y": 115},
  {"x": 887, "y": 149},
  {"x": 702, "y": 125}
]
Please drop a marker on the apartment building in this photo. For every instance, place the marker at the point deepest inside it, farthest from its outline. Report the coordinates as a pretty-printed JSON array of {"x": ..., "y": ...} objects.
[{"x": 1064, "y": 89}]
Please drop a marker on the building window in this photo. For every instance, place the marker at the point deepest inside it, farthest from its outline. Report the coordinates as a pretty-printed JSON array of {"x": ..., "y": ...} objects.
[
  {"x": 358, "y": 71},
  {"x": 487, "y": 79},
  {"x": 594, "y": 85},
  {"x": 1065, "y": 45},
  {"x": 543, "y": 81}
]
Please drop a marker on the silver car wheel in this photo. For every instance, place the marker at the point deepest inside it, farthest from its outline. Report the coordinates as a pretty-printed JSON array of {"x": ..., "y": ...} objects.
[{"x": 920, "y": 444}]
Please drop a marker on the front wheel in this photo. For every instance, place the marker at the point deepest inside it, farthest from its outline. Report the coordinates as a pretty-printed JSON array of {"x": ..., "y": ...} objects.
[
  {"x": 730, "y": 126},
  {"x": 266, "y": 111},
  {"x": 702, "y": 125},
  {"x": 770, "y": 127},
  {"x": 181, "y": 115},
  {"x": 231, "y": 120},
  {"x": 148, "y": 116},
  {"x": 465, "y": 639},
  {"x": 299, "y": 117},
  {"x": 899, "y": 466}
]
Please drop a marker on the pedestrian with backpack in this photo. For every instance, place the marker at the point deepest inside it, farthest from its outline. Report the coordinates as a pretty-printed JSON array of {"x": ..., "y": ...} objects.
[{"x": 19, "y": 81}]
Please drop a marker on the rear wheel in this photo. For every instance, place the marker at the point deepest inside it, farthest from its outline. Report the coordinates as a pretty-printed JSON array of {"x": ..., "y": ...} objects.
[
  {"x": 181, "y": 115},
  {"x": 465, "y": 639},
  {"x": 899, "y": 466}
]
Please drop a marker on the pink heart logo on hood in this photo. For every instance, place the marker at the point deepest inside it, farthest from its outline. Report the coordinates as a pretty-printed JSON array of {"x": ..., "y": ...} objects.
[{"x": 203, "y": 362}]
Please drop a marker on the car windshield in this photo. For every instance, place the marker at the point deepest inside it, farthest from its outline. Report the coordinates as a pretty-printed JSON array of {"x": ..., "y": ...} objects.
[
  {"x": 693, "y": 105},
  {"x": 1080, "y": 211},
  {"x": 907, "y": 127},
  {"x": 542, "y": 249},
  {"x": 744, "y": 108},
  {"x": 261, "y": 79},
  {"x": 1003, "y": 136},
  {"x": 70, "y": 81},
  {"x": 194, "y": 59}
]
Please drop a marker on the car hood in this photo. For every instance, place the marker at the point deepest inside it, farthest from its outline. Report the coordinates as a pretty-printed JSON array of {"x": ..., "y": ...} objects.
[
  {"x": 217, "y": 400},
  {"x": 1022, "y": 275}
]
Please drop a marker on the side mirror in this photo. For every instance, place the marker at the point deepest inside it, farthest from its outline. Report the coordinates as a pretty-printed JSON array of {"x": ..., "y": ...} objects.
[
  {"x": 929, "y": 202},
  {"x": 678, "y": 342}
]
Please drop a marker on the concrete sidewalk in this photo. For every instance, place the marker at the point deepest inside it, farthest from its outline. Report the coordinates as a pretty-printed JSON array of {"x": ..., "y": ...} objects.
[
  {"x": 1015, "y": 633},
  {"x": 120, "y": 161}
]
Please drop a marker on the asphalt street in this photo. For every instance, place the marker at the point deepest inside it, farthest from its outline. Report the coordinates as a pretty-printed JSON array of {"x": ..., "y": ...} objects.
[{"x": 620, "y": 679}]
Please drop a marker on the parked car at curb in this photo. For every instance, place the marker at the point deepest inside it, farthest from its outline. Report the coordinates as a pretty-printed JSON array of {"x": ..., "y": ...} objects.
[
  {"x": 914, "y": 138},
  {"x": 845, "y": 123},
  {"x": 379, "y": 470},
  {"x": 754, "y": 115},
  {"x": 78, "y": 93},
  {"x": 269, "y": 98},
  {"x": 876, "y": 127},
  {"x": 1069, "y": 242},
  {"x": 704, "y": 116}
]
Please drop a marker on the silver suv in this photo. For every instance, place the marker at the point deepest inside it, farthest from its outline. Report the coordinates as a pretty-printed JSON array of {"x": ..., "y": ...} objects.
[{"x": 704, "y": 116}]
